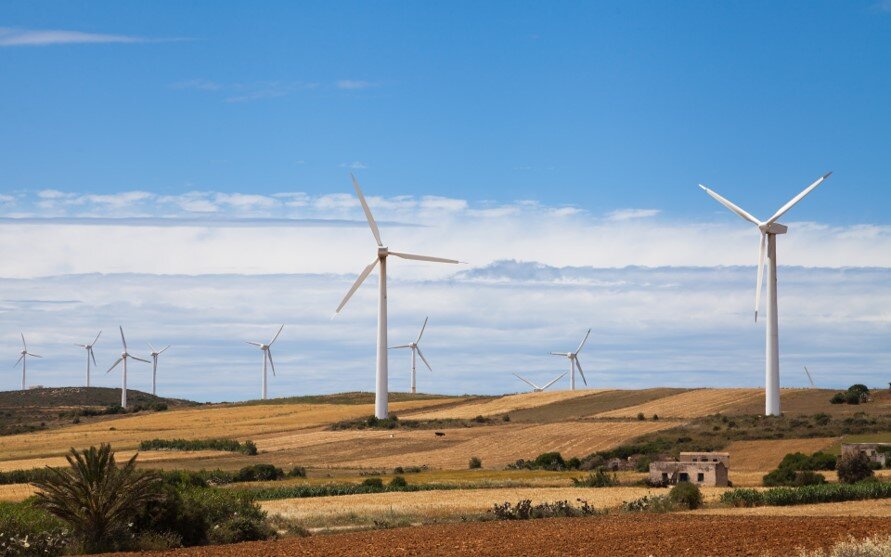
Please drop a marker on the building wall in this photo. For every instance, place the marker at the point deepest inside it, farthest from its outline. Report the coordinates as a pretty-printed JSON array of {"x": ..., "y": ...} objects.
[
  {"x": 709, "y": 474},
  {"x": 723, "y": 458},
  {"x": 871, "y": 450}
]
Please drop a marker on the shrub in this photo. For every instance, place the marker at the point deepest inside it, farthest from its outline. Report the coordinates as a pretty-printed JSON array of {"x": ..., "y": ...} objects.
[
  {"x": 95, "y": 497},
  {"x": 398, "y": 481},
  {"x": 686, "y": 495},
  {"x": 643, "y": 464},
  {"x": 231, "y": 445},
  {"x": 373, "y": 482},
  {"x": 525, "y": 510},
  {"x": 860, "y": 389},
  {"x": 505, "y": 418},
  {"x": 655, "y": 417},
  {"x": 26, "y": 531},
  {"x": 475, "y": 462},
  {"x": 838, "y": 398},
  {"x": 650, "y": 504},
  {"x": 574, "y": 463},
  {"x": 853, "y": 468},
  {"x": 549, "y": 461},
  {"x": 597, "y": 479},
  {"x": 259, "y": 473},
  {"x": 822, "y": 419},
  {"x": 640, "y": 416},
  {"x": 825, "y": 493},
  {"x": 853, "y": 397},
  {"x": 297, "y": 472}
]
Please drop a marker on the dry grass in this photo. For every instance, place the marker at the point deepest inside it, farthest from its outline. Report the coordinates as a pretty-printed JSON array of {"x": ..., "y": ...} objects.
[
  {"x": 691, "y": 404},
  {"x": 16, "y": 492},
  {"x": 500, "y": 405},
  {"x": 764, "y": 455},
  {"x": 878, "y": 508},
  {"x": 432, "y": 504},
  {"x": 240, "y": 422}
]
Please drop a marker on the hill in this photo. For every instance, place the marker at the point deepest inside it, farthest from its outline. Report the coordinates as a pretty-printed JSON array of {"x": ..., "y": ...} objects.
[{"x": 44, "y": 408}]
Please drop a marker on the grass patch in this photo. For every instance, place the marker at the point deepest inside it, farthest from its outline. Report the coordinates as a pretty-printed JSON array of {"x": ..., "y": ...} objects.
[
  {"x": 807, "y": 495},
  {"x": 230, "y": 445}
]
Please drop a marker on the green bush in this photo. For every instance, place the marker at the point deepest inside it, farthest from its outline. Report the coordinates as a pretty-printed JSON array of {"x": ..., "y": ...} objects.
[
  {"x": 574, "y": 463},
  {"x": 686, "y": 495},
  {"x": 259, "y": 473},
  {"x": 598, "y": 478},
  {"x": 811, "y": 494},
  {"x": 525, "y": 510},
  {"x": 475, "y": 463},
  {"x": 549, "y": 461},
  {"x": 231, "y": 445},
  {"x": 297, "y": 472},
  {"x": 649, "y": 504},
  {"x": 398, "y": 481},
  {"x": 853, "y": 397},
  {"x": 373, "y": 482},
  {"x": 838, "y": 398},
  {"x": 29, "y": 532},
  {"x": 853, "y": 468},
  {"x": 641, "y": 416}
]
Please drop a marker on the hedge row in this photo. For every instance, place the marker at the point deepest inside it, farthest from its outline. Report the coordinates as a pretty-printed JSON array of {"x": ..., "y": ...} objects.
[{"x": 806, "y": 495}]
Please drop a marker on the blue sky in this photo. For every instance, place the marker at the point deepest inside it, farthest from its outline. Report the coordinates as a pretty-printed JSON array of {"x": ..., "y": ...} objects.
[{"x": 569, "y": 137}]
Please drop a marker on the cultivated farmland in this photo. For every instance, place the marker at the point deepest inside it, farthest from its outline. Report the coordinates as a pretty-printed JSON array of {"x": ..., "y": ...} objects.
[{"x": 690, "y": 404}]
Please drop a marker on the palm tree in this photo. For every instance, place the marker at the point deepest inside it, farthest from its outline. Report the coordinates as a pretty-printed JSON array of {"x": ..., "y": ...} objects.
[{"x": 96, "y": 497}]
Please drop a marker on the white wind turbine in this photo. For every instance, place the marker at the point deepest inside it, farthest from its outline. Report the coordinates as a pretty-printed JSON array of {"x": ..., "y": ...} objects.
[
  {"x": 24, "y": 359},
  {"x": 155, "y": 354},
  {"x": 124, "y": 357},
  {"x": 415, "y": 351},
  {"x": 89, "y": 349},
  {"x": 536, "y": 388},
  {"x": 381, "y": 387},
  {"x": 267, "y": 357},
  {"x": 769, "y": 230},
  {"x": 574, "y": 362}
]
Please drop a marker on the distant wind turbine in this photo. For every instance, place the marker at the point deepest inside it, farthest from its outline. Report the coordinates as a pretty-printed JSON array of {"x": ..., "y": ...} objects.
[
  {"x": 574, "y": 362},
  {"x": 415, "y": 351},
  {"x": 809, "y": 378},
  {"x": 24, "y": 359},
  {"x": 536, "y": 388},
  {"x": 769, "y": 230},
  {"x": 267, "y": 357},
  {"x": 381, "y": 392},
  {"x": 155, "y": 354},
  {"x": 89, "y": 349},
  {"x": 124, "y": 357}
]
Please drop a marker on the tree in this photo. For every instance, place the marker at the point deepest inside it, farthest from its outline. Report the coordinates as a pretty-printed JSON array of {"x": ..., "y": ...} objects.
[
  {"x": 95, "y": 496},
  {"x": 853, "y": 468}
]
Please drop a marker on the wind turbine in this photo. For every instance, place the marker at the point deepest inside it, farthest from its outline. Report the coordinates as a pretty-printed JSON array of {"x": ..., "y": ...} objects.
[
  {"x": 809, "y": 378},
  {"x": 89, "y": 349},
  {"x": 24, "y": 359},
  {"x": 124, "y": 357},
  {"x": 536, "y": 388},
  {"x": 267, "y": 357},
  {"x": 415, "y": 351},
  {"x": 381, "y": 387},
  {"x": 155, "y": 354},
  {"x": 574, "y": 362},
  {"x": 769, "y": 230}
]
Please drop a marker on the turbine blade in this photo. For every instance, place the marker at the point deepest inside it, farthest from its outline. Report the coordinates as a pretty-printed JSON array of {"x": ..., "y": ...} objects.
[
  {"x": 564, "y": 354},
  {"x": 151, "y": 347},
  {"x": 424, "y": 326},
  {"x": 164, "y": 350},
  {"x": 584, "y": 340},
  {"x": 797, "y": 198},
  {"x": 731, "y": 206},
  {"x": 16, "y": 364},
  {"x": 400, "y": 346},
  {"x": 123, "y": 340},
  {"x": 140, "y": 359},
  {"x": 34, "y": 355},
  {"x": 759, "y": 286},
  {"x": 253, "y": 343},
  {"x": 530, "y": 383},
  {"x": 95, "y": 339},
  {"x": 562, "y": 375},
  {"x": 421, "y": 354},
  {"x": 578, "y": 364},
  {"x": 422, "y": 257},
  {"x": 362, "y": 276},
  {"x": 371, "y": 223},
  {"x": 81, "y": 345},
  {"x": 115, "y": 364},
  {"x": 24, "y": 345},
  {"x": 809, "y": 378},
  {"x": 271, "y": 363},
  {"x": 92, "y": 355},
  {"x": 276, "y": 335}
]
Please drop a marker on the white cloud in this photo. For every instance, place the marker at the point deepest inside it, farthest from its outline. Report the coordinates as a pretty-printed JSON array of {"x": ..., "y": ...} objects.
[
  {"x": 355, "y": 84},
  {"x": 449, "y": 204},
  {"x": 355, "y": 165},
  {"x": 33, "y": 37},
  {"x": 629, "y": 214}
]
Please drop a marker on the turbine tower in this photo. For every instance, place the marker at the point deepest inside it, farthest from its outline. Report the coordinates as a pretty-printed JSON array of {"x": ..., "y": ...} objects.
[
  {"x": 267, "y": 357},
  {"x": 536, "y": 388},
  {"x": 124, "y": 357},
  {"x": 24, "y": 359},
  {"x": 381, "y": 387},
  {"x": 89, "y": 349},
  {"x": 415, "y": 351},
  {"x": 155, "y": 354},
  {"x": 574, "y": 362},
  {"x": 769, "y": 230}
]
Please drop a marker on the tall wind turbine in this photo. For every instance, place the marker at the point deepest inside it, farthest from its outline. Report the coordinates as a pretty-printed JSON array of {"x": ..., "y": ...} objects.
[
  {"x": 574, "y": 362},
  {"x": 155, "y": 354},
  {"x": 89, "y": 349},
  {"x": 769, "y": 230},
  {"x": 24, "y": 359},
  {"x": 536, "y": 388},
  {"x": 124, "y": 357},
  {"x": 415, "y": 351},
  {"x": 381, "y": 388},
  {"x": 267, "y": 357}
]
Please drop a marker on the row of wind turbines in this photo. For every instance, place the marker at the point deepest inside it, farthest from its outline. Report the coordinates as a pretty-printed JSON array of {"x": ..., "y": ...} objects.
[{"x": 767, "y": 257}]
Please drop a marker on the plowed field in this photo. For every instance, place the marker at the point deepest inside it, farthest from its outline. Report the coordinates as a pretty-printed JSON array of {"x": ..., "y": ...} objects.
[{"x": 632, "y": 535}]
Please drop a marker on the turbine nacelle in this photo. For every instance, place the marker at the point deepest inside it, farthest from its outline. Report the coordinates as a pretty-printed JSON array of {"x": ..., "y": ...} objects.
[
  {"x": 773, "y": 228},
  {"x": 382, "y": 252}
]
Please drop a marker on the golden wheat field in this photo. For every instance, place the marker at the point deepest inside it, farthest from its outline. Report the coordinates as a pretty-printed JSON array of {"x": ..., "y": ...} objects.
[
  {"x": 878, "y": 508},
  {"x": 240, "y": 422},
  {"x": 765, "y": 455},
  {"x": 16, "y": 492},
  {"x": 151, "y": 457},
  {"x": 458, "y": 501},
  {"x": 691, "y": 404},
  {"x": 500, "y": 405}
]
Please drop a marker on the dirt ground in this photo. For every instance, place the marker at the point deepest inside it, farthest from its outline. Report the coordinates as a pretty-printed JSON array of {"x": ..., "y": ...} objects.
[{"x": 632, "y": 535}]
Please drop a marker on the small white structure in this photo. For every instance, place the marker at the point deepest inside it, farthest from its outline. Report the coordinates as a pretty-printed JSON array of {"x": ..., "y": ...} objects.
[
  {"x": 267, "y": 357},
  {"x": 124, "y": 357},
  {"x": 769, "y": 230},
  {"x": 381, "y": 390},
  {"x": 703, "y": 469},
  {"x": 415, "y": 351},
  {"x": 574, "y": 362}
]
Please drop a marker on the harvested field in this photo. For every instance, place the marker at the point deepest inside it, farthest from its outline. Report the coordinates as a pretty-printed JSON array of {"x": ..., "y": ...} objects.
[
  {"x": 146, "y": 458},
  {"x": 603, "y": 401},
  {"x": 16, "y": 492},
  {"x": 797, "y": 402},
  {"x": 633, "y": 535},
  {"x": 239, "y": 422},
  {"x": 499, "y": 405},
  {"x": 453, "y": 503},
  {"x": 690, "y": 404},
  {"x": 763, "y": 456},
  {"x": 876, "y": 508}
]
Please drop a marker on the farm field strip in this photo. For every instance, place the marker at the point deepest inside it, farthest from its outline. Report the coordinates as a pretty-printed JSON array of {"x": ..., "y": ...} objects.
[
  {"x": 690, "y": 404},
  {"x": 499, "y": 405},
  {"x": 145, "y": 459},
  {"x": 16, "y": 492},
  {"x": 765, "y": 455},
  {"x": 875, "y": 508}
]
